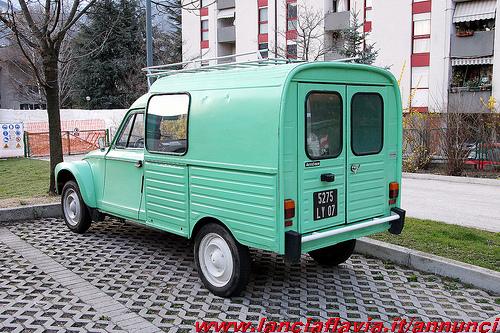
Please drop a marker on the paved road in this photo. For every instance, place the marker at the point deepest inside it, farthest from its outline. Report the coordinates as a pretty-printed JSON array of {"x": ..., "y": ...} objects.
[
  {"x": 123, "y": 278},
  {"x": 471, "y": 205}
]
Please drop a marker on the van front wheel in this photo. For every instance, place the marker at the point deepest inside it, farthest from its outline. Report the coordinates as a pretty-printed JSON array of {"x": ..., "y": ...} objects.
[
  {"x": 335, "y": 254},
  {"x": 222, "y": 263},
  {"x": 75, "y": 212}
]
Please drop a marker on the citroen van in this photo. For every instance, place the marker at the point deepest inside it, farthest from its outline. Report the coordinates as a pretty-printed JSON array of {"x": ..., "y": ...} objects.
[{"x": 292, "y": 158}]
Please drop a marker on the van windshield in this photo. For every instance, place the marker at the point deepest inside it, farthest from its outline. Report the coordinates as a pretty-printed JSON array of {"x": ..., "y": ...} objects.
[{"x": 323, "y": 125}]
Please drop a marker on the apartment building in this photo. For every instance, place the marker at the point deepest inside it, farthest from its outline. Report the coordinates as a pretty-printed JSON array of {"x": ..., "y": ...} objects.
[{"x": 441, "y": 51}]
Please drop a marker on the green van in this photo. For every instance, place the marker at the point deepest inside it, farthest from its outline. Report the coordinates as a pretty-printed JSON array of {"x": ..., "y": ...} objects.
[{"x": 291, "y": 158}]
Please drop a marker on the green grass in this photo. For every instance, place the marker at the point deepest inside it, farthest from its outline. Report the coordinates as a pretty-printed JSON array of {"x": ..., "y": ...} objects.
[
  {"x": 476, "y": 247},
  {"x": 22, "y": 177}
]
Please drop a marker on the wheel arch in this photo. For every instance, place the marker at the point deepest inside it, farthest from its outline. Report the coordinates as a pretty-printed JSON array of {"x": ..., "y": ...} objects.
[
  {"x": 81, "y": 173},
  {"x": 204, "y": 221}
]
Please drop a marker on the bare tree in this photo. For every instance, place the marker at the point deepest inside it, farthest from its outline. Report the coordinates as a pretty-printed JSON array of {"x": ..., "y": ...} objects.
[
  {"x": 24, "y": 80},
  {"x": 40, "y": 28},
  {"x": 309, "y": 34}
]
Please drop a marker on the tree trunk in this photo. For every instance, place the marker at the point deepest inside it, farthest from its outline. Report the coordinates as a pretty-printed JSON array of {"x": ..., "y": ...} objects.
[{"x": 53, "y": 112}]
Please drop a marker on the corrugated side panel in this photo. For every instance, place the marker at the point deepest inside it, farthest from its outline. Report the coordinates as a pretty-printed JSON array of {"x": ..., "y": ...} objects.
[
  {"x": 366, "y": 190},
  {"x": 166, "y": 197},
  {"x": 244, "y": 201}
]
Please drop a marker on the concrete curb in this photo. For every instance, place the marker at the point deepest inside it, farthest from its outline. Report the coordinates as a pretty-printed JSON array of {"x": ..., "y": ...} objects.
[
  {"x": 479, "y": 277},
  {"x": 452, "y": 179},
  {"x": 30, "y": 212}
]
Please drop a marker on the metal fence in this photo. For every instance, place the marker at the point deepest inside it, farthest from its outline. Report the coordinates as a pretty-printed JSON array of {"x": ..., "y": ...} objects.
[
  {"x": 481, "y": 156},
  {"x": 73, "y": 142}
]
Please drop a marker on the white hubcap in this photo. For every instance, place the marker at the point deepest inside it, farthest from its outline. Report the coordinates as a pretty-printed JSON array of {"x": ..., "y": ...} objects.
[
  {"x": 216, "y": 260},
  {"x": 72, "y": 207}
]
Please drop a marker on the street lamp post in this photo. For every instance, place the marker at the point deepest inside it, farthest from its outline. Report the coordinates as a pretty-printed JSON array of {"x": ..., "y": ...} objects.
[{"x": 149, "y": 37}]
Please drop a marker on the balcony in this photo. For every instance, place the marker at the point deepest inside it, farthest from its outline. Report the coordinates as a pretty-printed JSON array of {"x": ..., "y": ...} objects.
[
  {"x": 466, "y": 100},
  {"x": 480, "y": 44},
  {"x": 337, "y": 21},
  {"x": 225, "y": 4},
  {"x": 333, "y": 55},
  {"x": 226, "y": 34}
]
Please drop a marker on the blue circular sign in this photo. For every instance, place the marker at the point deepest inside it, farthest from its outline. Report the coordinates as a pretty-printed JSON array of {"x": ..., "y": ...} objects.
[
  {"x": 4, "y": 126},
  {"x": 17, "y": 126},
  {"x": 18, "y": 133},
  {"x": 5, "y": 133},
  {"x": 11, "y": 126},
  {"x": 5, "y": 140}
]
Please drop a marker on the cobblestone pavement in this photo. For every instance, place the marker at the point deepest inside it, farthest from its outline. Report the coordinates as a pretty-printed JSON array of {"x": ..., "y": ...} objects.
[{"x": 124, "y": 277}]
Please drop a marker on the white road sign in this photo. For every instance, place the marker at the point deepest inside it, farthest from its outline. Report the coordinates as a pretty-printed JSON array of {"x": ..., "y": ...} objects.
[{"x": 12, "y": 136}]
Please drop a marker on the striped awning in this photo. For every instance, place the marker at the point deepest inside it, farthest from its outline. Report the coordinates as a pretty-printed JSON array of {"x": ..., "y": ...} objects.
[
  {"x": 471, "y": 61},
  {"x": 474, "y": 10}
]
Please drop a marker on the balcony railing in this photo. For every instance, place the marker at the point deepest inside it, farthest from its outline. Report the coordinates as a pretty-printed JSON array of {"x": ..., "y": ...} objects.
[
  {"x": 224, "y": 4},
  {"x": 226, "y": 34},
  {"x": 480, "y": 44},
  {"x": 467, "y": 100},
  {"x": 337, "y": 21}
]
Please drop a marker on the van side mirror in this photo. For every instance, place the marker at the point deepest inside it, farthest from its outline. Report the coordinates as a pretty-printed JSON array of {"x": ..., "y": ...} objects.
[{"x": 102, "y": 143}]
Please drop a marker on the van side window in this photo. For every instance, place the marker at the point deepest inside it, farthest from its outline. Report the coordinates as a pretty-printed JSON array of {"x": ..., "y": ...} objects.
[
  {"x": 367, "y": 123},
  {"x": 167, "y": 124},
  {"x": 132, "y": 135},
  {"x": 323, "y": 125}
]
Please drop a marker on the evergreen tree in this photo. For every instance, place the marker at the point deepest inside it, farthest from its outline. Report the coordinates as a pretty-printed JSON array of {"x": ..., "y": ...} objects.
[
  {"x": 355, "y": 43},
  {"x": 110, "y": 54},
  {"x": 111, "y": 51}
]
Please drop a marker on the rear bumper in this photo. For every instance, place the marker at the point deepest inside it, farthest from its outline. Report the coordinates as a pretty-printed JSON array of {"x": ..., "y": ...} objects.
[{"x": 296, "y": 243}]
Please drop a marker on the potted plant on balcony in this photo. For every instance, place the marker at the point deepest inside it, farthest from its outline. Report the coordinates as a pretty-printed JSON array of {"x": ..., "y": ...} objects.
[
  {"x": 473, "y": 84},
  {"x": 464, "y": 31}
]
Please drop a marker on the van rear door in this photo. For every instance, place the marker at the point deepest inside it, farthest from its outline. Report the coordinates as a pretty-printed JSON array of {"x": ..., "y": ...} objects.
[
  {"x": 321, "y": 156},
  {"x": 367, "y": 186}
]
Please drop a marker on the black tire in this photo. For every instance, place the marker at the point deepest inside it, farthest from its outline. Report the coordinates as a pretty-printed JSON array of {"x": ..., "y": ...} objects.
[
  {"x": 335, "y": 254},
  {"x": 240, "y": 260},
  {"x": 77, "y": 218}
]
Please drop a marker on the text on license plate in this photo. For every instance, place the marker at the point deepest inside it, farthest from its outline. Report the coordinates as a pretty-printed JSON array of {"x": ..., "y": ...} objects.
[{"x": 325, "y": 204}]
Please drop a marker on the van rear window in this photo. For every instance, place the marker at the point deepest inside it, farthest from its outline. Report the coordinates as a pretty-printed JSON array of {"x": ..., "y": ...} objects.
[
  {"x": 367, "y": 123},
  {"x": 323, "y": 125},
  {"x": 167, "y": 124}
]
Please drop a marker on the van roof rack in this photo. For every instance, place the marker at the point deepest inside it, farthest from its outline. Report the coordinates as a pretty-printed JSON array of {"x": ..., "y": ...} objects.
[{"x": 203, "y": 65}]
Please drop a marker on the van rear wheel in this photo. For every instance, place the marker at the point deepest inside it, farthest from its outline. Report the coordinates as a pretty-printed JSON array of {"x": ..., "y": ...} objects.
[
  {"x": 222, "y": 263},
  {"x": 335, "y": 254}
]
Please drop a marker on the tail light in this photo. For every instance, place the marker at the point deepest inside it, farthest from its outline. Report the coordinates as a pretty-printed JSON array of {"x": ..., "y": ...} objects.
[
  {"x": 393, "y": 192},
  {"x": 289, "y": 212}
]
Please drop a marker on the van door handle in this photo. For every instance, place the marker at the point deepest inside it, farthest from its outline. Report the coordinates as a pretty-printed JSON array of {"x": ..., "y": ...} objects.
[
  {"x": 138, "y": 164},
  {"x": 328, "y": 177}
]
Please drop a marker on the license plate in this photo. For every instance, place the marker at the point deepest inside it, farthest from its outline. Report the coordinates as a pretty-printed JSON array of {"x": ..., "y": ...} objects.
[{"x": 325, "y": 204}]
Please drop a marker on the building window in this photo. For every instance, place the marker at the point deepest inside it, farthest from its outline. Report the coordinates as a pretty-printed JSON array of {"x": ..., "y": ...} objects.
[
  {"x": 421, "y": 45},
  {"x": 291, "y": 51},
  {"x": 263, "y": 48},
  {"x": 205, "y": 3},
  {"x": 263, "y": 21},
  {"x": 422, "y": 24},
  {"x": 334, "y": 6},
  {"x": 291, "y": 16},
  {"x": 204, "y": 34}
]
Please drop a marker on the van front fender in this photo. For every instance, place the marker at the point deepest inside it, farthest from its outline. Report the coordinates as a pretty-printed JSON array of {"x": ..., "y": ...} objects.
[{"x": 81, "y": 172}]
